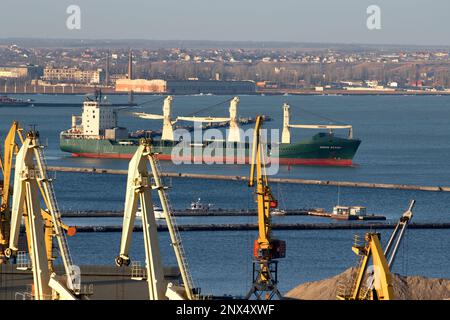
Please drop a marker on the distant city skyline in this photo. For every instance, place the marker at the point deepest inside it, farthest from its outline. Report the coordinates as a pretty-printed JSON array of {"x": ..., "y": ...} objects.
[{"x": 403, "y": 22}]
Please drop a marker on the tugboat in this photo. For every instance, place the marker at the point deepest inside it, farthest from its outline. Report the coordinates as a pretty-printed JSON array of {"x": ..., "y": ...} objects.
[{"x": 11, "y": 102}]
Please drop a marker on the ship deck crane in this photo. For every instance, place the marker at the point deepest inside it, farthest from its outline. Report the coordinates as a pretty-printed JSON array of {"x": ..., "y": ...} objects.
[
  {"x": 30, "y": 170},
  {"x": 286, "y": 133},
  {"x": 168, "y": 134},
  {"x": 266, "y": 249},
  {"x": 10, "y": 149},
  {"x": 234, "y": 134},
  {"x": 140, "y": 183},
  {"x": 377, "y": 286}
]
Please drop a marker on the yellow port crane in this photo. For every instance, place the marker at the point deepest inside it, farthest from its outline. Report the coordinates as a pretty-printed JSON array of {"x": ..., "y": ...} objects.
[
  {"x": 6, "y": 164},
  {"x": 266, "y": 249},
  {"x": 377, "y": 284}
]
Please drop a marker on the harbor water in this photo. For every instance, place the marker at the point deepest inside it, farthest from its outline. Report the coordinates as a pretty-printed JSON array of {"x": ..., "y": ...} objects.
[{"x": 405, "y": 140}]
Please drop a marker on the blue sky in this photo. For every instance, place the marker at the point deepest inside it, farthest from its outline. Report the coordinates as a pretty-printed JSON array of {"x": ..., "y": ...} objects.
[{"x": 337, "y": 21}]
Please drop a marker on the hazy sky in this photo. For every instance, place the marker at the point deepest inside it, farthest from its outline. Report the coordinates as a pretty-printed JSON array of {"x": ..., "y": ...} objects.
[{"x": 417, "y": 22}]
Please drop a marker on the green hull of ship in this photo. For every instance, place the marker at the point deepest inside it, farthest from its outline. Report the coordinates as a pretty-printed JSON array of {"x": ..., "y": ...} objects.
[{"x": 321, "y": 149}]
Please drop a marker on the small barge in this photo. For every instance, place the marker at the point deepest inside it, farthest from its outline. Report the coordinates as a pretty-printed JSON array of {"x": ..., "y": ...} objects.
[{"x": 347, "y": 213}]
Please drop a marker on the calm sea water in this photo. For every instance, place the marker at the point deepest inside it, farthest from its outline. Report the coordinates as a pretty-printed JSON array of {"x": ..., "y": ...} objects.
[{"x": 404, "y": 140}]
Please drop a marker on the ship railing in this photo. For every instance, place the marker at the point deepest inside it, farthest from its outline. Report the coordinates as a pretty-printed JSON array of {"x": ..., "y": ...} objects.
[
  {"x": 28, "y": 294},
  {"x": 138, "y": 272},
  {"x": 358, "y": 242},
  {"x": 23, "y": 261},
  {"x": 23, "y": 296}
]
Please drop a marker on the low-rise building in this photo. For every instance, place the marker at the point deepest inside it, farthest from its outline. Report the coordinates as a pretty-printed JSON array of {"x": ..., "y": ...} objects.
[
  {"x": 21, "y": 72},
  {"x": 73, "y": 75},
  {"x": 210, "y": 87},
  {"x": 141, "y": 85},
  {"x": 186, "y": 86}
]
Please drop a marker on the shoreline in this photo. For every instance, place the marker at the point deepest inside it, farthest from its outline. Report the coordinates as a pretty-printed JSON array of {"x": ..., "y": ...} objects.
[{"x": 262, "y": 92}]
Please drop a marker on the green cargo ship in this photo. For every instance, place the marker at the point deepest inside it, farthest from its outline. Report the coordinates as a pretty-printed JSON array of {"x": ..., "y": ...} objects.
[{"x": 98, "y": 136}]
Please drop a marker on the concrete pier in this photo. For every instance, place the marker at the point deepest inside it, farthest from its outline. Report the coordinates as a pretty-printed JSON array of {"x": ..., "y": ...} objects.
[
  {"x": 273, "y": 180},
  {"x": 185, "y": 213},
  {"x": 290, "y": 226}
]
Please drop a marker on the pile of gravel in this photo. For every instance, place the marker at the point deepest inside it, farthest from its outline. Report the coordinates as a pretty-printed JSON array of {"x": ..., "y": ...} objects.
[{"x": 405, "y": 288}]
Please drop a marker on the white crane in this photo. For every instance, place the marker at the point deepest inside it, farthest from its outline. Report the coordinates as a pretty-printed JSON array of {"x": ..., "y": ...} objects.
[
  {"x": 139, "y": 186},
  {"x": 286, "y": 134},
  {"x": 30, "y": 169},
  {"x": 167, "y": 133},
  {"x": 234, "y": 132}
]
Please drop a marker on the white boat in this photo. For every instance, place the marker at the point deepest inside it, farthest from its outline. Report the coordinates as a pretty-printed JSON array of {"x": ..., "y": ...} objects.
[
  {"x": 199, "y": 206},
  {"x": 278, "y": 212},
  {"x": 349, "y": 210},
  {"x": 158, "y": 211}
]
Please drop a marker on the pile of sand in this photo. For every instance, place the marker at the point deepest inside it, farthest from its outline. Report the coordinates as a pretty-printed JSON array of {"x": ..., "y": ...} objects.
[{"x": 405, "y": 288}]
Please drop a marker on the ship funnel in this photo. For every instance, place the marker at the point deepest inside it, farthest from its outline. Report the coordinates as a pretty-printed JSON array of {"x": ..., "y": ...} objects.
[
  {"x": 167, "y": 133},
  {"x": 286, "y": 134},
  {"x": 234, "y": 132}
]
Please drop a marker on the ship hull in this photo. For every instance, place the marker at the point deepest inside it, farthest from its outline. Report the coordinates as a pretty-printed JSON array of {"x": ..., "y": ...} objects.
[
  {"x": 320, "y": 150},
  {"x": 281, "y": 161}
]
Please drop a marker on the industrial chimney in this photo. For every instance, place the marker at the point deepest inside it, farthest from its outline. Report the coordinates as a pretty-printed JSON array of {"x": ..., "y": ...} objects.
[{"x": 130, "y": 65}]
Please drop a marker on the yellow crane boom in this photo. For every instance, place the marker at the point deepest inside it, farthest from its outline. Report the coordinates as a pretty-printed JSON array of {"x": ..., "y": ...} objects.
[
  {"x": 266, "y": 249},
  {"x": 6, "y": 166},
  {"x": 377, "y": 286}
]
